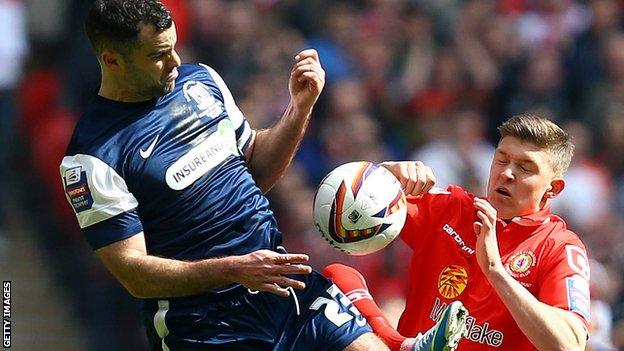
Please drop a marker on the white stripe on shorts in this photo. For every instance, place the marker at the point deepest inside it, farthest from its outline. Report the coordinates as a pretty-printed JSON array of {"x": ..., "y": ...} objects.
[{"x": 159, "y": 322}]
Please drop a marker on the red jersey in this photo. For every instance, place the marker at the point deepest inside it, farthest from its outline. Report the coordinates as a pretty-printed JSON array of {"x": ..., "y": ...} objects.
[{"x": 538, "y": 251}]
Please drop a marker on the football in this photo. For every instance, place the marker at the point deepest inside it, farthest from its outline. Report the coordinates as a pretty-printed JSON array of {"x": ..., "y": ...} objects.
[{"x": 359, "y": 208}]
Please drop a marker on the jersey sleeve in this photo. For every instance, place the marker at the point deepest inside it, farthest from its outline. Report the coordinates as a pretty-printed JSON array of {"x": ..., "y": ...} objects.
[
  {"x": 244, "y": 132},
  {"x": 565, "y": 283},
  {"x": 105, "y": 209},
  {"x": 422, "y": 212}
]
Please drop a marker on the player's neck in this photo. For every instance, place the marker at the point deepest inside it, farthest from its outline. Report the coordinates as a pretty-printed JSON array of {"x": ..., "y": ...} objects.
[{"x": 112, "y": 89}]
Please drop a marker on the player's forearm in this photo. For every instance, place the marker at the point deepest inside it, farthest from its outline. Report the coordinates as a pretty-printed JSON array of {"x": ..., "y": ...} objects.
[
  {"x": 274, "y": 148},
  {"x": 547, "y": 327},
  {"x": 148, "y": 276}
]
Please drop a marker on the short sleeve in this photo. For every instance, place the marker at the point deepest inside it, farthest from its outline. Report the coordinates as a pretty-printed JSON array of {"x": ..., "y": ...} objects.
[
  {"x": 244, "y": 132},
  {"x": 565, "y": 283},
  {"x": 422, "y": 211},
  {"x": 105, "y": 209}
]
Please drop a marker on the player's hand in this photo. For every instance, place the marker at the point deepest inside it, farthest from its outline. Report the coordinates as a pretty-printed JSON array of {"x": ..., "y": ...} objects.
[
  {"x": 266, "y": 270},
  {"x": 416, "y": 178},
  {"x": 488, "y": 255},
  {"x": 306, "y": 82}
]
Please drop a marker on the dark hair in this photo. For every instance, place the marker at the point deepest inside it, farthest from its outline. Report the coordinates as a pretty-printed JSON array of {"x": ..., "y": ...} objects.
[
  {"x": 544, "y": 134},
  {"x": 115, "y": 23}
]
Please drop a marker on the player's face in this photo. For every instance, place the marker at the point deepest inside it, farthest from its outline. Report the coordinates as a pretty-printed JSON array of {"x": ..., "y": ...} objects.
[
  {"x": 520, "y": 176},
  {"x": 152, "y": 66}
]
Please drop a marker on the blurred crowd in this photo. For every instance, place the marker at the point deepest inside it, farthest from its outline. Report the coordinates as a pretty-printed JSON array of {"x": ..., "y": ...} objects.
[{"x": 422, "y": 80}]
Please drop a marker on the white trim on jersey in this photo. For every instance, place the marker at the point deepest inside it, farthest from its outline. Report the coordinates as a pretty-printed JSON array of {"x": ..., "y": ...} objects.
[
  {"x": 246, "y": 135},
  {"x": 235, "y": 114},
  {"x": 159, "y": 322},
  {"x": 232, "y": 109},
  {"x": 108, "y": 189}
]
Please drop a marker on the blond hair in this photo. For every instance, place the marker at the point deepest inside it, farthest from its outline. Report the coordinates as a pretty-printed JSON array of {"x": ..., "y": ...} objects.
[{"x": 544, "y": 134}]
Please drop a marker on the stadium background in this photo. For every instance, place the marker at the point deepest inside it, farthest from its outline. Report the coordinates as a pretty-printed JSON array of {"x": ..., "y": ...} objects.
[{"x": 420, "y": 79}]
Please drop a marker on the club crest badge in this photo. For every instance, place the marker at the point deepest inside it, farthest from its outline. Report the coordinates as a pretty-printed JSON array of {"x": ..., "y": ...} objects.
[
  {"x": 199, "y": 94},
  {"x": 519, "y": 265}
]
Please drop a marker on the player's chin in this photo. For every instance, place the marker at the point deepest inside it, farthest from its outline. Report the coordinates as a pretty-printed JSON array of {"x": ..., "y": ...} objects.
[
  {"x": 168, "y": 87},
  {"x": 505, "y": 212},
  {"x": 504, "y": 209}
]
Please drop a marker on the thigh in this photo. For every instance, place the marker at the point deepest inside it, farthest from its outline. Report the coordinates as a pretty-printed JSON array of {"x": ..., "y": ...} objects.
[{"x": 327, "y": 319}]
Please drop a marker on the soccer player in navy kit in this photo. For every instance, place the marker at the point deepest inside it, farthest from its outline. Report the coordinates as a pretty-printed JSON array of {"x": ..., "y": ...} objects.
[
  {"x": 159, "y": 172},
  {"x": 166, "y": 178}
]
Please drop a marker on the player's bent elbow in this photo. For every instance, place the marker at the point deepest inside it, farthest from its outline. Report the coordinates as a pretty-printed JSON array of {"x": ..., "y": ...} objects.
[
  {"x": 137, "y": 289},
  {"x": 134, "y": 290}
]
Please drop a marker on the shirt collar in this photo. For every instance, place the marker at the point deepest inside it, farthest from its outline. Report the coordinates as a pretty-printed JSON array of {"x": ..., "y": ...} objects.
[{"x": 533, "y": 219}]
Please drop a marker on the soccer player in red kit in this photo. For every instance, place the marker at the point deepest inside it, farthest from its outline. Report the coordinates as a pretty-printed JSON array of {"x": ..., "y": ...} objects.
[{"x": 520, "y": 272}]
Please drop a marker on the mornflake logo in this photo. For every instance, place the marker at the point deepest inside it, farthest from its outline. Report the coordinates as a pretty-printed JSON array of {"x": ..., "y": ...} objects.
[
  {"x": 202, "y": 158},
  {"x": 458, "y": 239},
  {"x": 479, "y": 333}
]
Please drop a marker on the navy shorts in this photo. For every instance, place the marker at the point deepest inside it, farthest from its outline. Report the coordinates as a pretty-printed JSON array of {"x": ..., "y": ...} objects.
[{"x": 320, "y": 318}]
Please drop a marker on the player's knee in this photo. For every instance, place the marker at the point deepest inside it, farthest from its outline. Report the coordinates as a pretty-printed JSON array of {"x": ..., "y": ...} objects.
[{"x": 367, "y": 342}]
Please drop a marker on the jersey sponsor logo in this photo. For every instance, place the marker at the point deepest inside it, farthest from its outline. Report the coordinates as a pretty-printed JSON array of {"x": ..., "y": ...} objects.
[
  {"x": 204, "y": 157},
  {"x": 148, "y": 152},
  {"x": 452, "y": 281},
  {"x": 479, "y": 333},
  {"x": 577, "y": 289},
  {"x": 577, "y": 260},
  {"x": 519, "y": 264},
  {"x": 77, "y": 189},
  {"x": 199, "y": 94},
  {"x": 458, "y": 239}
]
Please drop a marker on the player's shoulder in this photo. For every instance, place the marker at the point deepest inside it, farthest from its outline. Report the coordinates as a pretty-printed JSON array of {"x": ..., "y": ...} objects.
[
  {"x": 561, "y": 239},
  {"x": 197, "y": 71},
  {"x": 559, "y": 230},
  {"x": 452, "y": 197}
]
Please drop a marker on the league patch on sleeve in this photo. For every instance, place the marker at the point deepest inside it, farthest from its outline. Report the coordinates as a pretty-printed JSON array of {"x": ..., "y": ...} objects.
[
  {"x": 577, "y": 260},
  {"x": 578, "y": 295},
  {"x": 77, "y": 189}
]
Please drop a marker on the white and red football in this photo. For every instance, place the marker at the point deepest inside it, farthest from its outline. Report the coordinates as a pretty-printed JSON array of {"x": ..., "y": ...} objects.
[{"x": 359, "y": 208}]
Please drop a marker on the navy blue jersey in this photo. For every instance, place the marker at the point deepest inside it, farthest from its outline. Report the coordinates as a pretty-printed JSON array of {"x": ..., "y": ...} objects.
[{"x": 172, "y": 167}]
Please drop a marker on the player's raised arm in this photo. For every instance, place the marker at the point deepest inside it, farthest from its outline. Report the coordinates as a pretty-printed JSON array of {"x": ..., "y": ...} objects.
[
  {"x": 272, "y": 149},
  {"x": 146, "y": 276},
  {"x": 548, "y": 327}
]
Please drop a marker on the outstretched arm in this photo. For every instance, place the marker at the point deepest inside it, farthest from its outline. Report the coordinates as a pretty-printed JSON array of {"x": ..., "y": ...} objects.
[
  {"x": 147, "y": 276},
  {"x": 547, "y": 327},
  {"x": 273, "y": 149}
]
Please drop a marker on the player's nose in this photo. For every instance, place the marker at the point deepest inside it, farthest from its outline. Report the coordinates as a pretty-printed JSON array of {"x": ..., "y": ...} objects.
[
  {"x": 175, "y": 60},
  {"x": 507, "y": 173}
]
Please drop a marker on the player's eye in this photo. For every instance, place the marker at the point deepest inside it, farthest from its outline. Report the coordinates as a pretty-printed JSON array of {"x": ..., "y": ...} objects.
[{"x": 524, "y": 169}]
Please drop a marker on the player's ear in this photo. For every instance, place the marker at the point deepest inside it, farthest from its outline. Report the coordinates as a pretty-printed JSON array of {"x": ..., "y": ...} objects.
[
  {"x": 556, "y": 187},
  {"x": 111, "y": 59}
]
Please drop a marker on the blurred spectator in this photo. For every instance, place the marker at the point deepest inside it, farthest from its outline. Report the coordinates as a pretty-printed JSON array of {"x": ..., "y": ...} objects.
[
  {"x": 602, "y": 289},
  {"x": 462, "y": 156},
  {"x": 540, "y": 87},
  {"x": 587, "y": 199},
  {"x": 13, "y": 49},
  {"x": 552, "y": 24}
]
